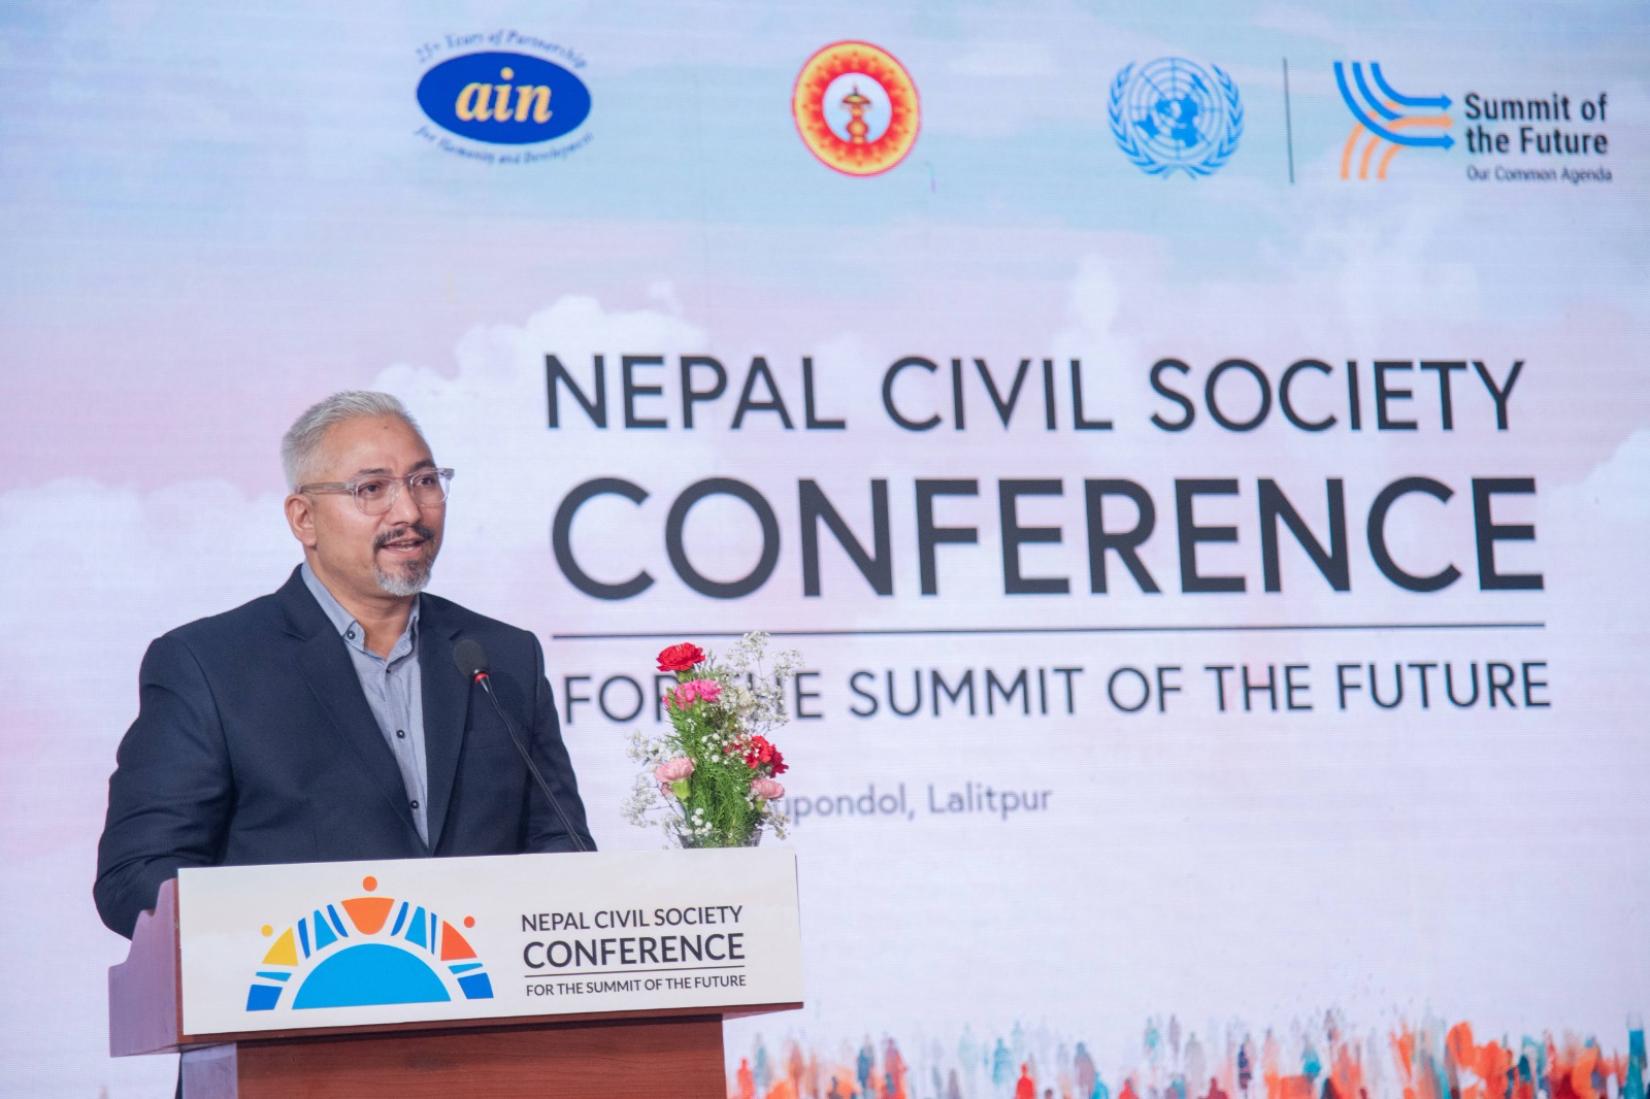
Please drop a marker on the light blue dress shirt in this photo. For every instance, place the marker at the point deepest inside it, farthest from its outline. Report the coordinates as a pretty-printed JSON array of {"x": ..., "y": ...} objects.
[{"x": 393, "y": 686}]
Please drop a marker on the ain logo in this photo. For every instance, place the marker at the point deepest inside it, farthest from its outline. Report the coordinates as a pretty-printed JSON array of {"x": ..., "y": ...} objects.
[
  {"x": 504, "y": 98},
  {"x": 531, "y": 101}
]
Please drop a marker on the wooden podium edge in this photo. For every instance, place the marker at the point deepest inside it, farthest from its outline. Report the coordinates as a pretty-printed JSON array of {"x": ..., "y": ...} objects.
[
  {"x": 490, "y": 1022},
  {"x": 681, "y": 1055}
]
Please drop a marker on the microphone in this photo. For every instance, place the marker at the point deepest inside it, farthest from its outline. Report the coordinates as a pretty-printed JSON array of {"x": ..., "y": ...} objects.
[{"x": 471, "y": 659}]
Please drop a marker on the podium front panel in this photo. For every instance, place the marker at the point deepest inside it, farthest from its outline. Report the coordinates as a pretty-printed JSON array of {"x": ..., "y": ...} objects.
[{"x": 266, "y": 948}]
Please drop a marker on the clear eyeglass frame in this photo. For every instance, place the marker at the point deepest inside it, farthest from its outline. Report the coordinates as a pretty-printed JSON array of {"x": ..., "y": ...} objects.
[{"x": 376, "y": 493}]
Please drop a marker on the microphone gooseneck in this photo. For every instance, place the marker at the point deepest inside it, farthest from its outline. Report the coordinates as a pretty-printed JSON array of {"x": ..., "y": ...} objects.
[{"x": 471, "y": 660}]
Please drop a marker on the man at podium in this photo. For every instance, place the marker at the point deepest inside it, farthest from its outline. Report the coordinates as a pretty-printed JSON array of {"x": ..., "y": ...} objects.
[{"x": 328, "y": 720}]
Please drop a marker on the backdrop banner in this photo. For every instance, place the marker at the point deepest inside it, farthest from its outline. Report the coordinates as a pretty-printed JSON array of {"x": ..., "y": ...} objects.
[{"x": 1201, "y": 456}]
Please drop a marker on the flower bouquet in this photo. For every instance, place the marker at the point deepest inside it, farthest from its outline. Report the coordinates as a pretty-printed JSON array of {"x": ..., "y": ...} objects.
[{"x": 710, "y": 779}]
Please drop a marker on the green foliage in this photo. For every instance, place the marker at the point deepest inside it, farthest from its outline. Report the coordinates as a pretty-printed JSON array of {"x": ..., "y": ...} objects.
[{"x": 718, "y": 810}]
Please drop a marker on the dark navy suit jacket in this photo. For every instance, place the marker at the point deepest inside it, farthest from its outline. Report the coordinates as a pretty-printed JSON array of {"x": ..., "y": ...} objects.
[{"x": 254, "y": 743}]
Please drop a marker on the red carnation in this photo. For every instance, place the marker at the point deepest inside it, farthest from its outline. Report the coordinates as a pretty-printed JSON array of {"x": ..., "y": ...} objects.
[
  {"x": 679, "y": 658},
  {"x": 763, "y": 756}
]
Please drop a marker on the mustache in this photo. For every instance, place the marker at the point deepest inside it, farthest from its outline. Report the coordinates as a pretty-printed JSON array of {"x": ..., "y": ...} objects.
[{"x": 399, "y": 533}]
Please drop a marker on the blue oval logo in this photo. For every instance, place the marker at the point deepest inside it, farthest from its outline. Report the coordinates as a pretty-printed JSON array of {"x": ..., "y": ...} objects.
[{"x": 504, "y": 98}]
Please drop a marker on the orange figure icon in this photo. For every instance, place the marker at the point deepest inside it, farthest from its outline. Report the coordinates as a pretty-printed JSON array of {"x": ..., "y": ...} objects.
[{"x": 857, "y": 126}]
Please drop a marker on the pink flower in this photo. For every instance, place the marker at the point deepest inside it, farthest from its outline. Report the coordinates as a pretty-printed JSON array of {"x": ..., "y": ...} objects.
[
  {"x": 673, "y": 770},
  {"x": 767, "y": 789},
  {"x": 706, "y": 689},
  {"x": 691, "y": 691}
]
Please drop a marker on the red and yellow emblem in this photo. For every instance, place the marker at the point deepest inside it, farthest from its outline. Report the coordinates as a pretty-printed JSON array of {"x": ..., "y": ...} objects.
[{"x": 873, "y": 69}]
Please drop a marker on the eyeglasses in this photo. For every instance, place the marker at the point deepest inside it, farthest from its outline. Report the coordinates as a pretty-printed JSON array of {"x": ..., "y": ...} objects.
[{"x": 375, "y": 494}]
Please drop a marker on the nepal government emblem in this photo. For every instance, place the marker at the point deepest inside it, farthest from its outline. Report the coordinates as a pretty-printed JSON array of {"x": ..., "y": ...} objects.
[
  {"x": 1171, "y": 114},
  {"x": 856, "y": 108}
]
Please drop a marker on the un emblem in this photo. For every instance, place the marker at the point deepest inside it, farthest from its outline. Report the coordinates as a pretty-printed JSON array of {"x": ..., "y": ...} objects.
[{"x": 1172, "y": 114}]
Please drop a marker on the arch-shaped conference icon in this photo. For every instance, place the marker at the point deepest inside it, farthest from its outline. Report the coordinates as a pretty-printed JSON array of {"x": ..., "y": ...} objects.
[{"x": 367, "y": 950}]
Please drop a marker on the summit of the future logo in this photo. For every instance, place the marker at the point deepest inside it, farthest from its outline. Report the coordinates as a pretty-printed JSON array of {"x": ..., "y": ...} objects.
[{"x": 1386, "y": 120}]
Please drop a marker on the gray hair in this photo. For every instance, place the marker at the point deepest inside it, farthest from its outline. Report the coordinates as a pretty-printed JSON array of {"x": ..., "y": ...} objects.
[{"x": 303, "y": 439}]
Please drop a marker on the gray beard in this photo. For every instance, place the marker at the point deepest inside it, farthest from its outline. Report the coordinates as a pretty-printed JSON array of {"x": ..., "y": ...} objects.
[{"x": 414, "y": 579}]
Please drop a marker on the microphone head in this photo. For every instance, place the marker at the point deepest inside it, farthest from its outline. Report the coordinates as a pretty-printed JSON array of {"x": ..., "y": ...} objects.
[{"x": 470, "y": 657}]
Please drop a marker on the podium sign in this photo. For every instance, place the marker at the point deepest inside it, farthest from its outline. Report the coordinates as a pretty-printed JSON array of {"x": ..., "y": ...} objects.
[{"x": 348, "y": 944}]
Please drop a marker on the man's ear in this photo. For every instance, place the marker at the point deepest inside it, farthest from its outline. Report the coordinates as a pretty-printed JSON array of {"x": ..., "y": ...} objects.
[{"x": 300, "y": 519}]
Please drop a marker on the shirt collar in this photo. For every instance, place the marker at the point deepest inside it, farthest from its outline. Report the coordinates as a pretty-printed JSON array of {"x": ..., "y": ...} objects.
[{"x": 345, "y": 623}]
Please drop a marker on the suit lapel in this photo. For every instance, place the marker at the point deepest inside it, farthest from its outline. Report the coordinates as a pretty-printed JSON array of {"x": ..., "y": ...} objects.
[
  {"x": 331, "y": 677},
  {"x": 446, "y": 696}
]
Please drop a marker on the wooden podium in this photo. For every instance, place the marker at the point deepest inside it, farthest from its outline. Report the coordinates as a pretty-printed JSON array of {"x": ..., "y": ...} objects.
[{"x": 668, "y": 1041}]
